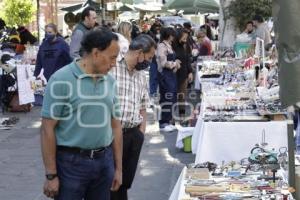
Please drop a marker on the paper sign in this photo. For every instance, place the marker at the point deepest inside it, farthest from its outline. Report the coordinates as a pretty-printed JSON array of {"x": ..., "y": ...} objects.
[{"x": 26, "y": 93}]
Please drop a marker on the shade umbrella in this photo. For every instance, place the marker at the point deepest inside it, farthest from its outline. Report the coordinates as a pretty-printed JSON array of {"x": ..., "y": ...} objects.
[
  {"x": 131, "y": 2},
  {"x": 72, "y": 8},
  {"x": 148, "y": 7},
  {"x": 126, "y": 7},
  {"x": 77, "y": 7},
  {"x": 194, "y": 6}
]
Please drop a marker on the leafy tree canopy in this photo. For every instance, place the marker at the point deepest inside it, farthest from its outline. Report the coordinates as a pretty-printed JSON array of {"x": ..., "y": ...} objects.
[
  {"x": 245, "y": 10},
  {"x": 18, "y": 12}
]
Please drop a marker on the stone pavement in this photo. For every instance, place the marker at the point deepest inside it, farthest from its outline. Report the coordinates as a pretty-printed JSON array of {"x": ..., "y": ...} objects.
[{"x": 22, "y": 173}]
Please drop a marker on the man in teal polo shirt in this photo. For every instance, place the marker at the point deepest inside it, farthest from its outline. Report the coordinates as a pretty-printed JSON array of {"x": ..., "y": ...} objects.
[{"x": 81, "y": 131}]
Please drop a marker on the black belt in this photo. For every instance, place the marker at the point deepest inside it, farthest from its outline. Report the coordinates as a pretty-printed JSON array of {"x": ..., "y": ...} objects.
[
  {"x": 127, "y": 130},
  {"x": 91, "y": 153}
]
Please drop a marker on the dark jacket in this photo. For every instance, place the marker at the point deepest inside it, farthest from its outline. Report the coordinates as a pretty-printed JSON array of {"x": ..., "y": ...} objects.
[
  {"x": 77, "y": 36},
  {"x": 151, "y": 34},
  {"x": 184, "y": 55},
  {"x": 52, "y": 56},
  {"x": 135, "y": 31}
]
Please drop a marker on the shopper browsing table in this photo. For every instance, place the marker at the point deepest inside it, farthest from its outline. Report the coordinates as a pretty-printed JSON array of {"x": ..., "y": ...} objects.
[
  {"x": 53, "y": 53},
  {"x": 81, "y": 135},
  {"x": 133, "y": 94},
  {"x": 167, "y": 68}
]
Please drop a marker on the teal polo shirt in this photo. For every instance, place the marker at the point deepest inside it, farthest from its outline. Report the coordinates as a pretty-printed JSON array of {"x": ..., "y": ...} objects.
[{"x": 83, "y": 107}]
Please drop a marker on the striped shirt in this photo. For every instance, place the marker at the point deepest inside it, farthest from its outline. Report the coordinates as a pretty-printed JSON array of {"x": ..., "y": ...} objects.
[{"x": 133, "y": 94}]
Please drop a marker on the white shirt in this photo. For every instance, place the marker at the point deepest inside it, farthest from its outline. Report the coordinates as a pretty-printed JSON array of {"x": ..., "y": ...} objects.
[{"x": 124, "y": 46}]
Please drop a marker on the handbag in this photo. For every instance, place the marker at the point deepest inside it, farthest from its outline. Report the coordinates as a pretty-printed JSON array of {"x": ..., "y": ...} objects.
[{"x": 14, "y": 104}]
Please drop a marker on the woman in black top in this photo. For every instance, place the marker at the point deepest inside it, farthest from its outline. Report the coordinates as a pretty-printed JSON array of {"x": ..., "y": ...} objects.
[{"x": 184, "y": 74}]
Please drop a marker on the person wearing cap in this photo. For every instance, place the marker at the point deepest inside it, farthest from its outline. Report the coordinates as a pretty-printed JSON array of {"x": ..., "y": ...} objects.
[{"x": 262, "y": 30}]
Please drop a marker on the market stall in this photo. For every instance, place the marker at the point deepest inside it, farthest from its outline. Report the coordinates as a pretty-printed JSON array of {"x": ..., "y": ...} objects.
[
  {"x": 234, "y": 95},
  {"x": 226, "y": 141},
  {"x": 18, "y": 69},
  {"x": 197, "y": 183},
  {"x": 240, "y": 111}
]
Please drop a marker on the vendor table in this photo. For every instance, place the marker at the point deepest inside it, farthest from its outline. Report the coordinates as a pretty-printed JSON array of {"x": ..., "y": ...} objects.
[
  {"x": 227, "y": 141},
  {"x": 178, "y": 192}
]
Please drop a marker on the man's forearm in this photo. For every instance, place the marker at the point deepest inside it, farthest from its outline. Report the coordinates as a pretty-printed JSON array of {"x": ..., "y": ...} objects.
[
  {"x": 117, "y": 143},
  {"x": 143, "y": 124},
  {"x": 48, "y": 145}
]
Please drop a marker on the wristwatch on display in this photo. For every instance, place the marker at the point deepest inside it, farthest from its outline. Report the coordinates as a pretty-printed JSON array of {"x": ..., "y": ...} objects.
[{"x": 50, "y": 177}]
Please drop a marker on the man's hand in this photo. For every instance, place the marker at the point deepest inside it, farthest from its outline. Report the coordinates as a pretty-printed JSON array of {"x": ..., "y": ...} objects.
[
  {"x": 142, "y": 130},
  {"x": 51, "y": 188},
  {"x": 178, "y": 64},
  {"x": 117, "y": 182}
]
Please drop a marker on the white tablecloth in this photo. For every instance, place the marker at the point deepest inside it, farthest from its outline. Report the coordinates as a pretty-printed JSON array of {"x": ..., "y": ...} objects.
[
  {"x": 178, "y": 190},
  {"x": 232, "y": 141}
]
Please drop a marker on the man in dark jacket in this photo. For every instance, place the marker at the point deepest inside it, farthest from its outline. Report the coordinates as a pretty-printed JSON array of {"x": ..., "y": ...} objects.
[
  {"x": 88, "y": 22},
  {"x": 53, "y": 53}
]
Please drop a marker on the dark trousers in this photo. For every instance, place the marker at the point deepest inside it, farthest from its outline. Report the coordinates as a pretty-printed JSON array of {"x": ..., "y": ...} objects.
[
  {"x": 181, "y": 97},
  {"x": 153, "y": 78},
  {"x": 84, "y": 178},
  {"x": 168, "y": 95},
  {"x": 133, "y": 140}
]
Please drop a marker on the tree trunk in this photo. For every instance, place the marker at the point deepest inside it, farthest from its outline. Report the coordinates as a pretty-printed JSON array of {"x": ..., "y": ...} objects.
[
  {"x": 52, "y": 11},
  {"x": 38, "y": 17},
  {"x": 228, "y": 27},
  {"x": 56, "y": 12}
]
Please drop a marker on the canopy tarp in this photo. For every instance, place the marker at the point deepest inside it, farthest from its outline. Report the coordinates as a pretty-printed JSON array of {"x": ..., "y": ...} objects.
[
  {"x": 77, "y": 7},
  {"x": 193, "y": 6},
  {"x": 126, "y": 7},
  {"x": 148, "y": 7},
  {"x": 132, "y": 1}
]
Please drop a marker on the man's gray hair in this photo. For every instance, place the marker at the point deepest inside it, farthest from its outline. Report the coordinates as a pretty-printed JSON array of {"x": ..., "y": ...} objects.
[{"x": 142, "y": 42}]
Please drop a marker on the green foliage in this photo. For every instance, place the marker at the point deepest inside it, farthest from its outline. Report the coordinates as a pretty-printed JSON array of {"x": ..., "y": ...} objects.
[
  {"x": 18, "y": 12},
  {"x": 245, "y": 10}
]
